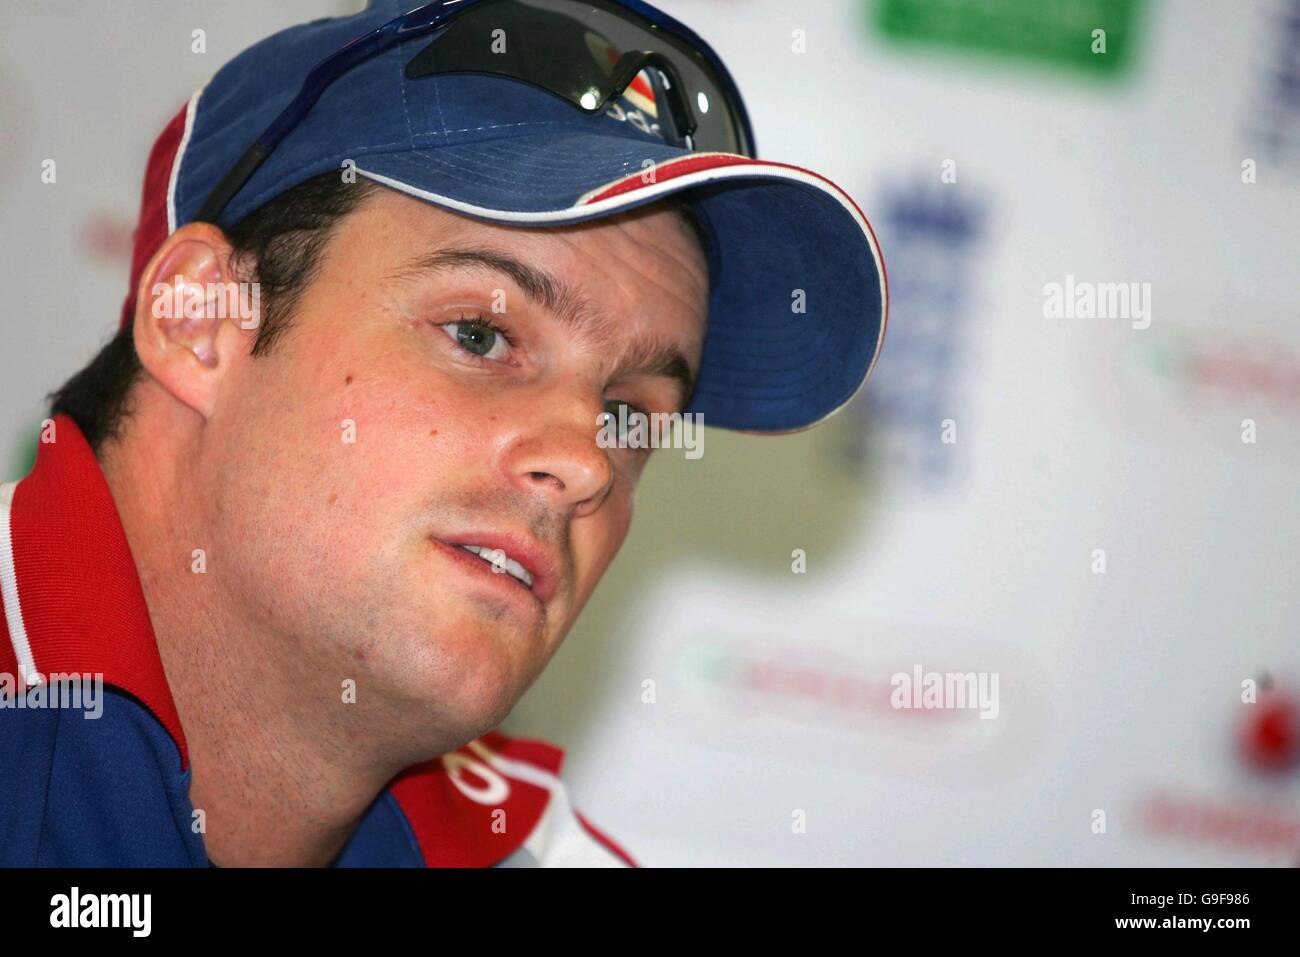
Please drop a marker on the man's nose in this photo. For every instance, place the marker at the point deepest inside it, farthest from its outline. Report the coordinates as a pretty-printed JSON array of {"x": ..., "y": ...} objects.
[{"x": 557, "y": 459}]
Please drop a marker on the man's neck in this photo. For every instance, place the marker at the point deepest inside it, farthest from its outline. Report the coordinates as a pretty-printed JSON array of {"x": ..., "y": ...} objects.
[{"x": 279, "y": 776}]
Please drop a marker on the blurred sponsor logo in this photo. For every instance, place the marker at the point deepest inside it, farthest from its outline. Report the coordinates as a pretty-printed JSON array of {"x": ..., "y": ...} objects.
[
  {"x": 934, "y": 236},
  {"x": 1057, "y": 33},
  {"x": 746, "y": 676},
  {"x": 1274, "y": 117},
  {"x": 1175, "y": 381},
  {"x": 1234, "y": 826},
  {"x": 812, "y": 701},
  {"x": 1210, "y": 365}
]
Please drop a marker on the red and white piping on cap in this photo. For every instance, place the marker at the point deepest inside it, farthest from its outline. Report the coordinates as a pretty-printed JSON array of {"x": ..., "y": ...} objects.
[
  {"x": 158, "y": 218},
  {"x": 669, "y": 177},
  {"x": 191, "y": 108}
]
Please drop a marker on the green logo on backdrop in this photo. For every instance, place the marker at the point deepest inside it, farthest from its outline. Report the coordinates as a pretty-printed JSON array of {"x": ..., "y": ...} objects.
[
  {"x": 1085, "y": 37},
  {"x": 23, "y": 456}
]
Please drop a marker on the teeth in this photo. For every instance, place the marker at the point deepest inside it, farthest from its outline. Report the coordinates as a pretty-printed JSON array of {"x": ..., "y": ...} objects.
[{"x": 501, "y": 562}]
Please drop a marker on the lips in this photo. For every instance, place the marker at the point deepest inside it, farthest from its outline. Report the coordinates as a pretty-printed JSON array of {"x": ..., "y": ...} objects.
[
  {"x": 516, "y": 557},
  {"x": 501, "y": 562}
]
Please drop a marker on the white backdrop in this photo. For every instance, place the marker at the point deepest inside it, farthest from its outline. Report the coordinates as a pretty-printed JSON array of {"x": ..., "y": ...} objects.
[{"x": 1119, "y": 691}]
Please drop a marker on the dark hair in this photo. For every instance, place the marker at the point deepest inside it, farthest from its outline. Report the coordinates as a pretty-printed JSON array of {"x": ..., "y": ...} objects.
[{"x": 278, "y": 244}]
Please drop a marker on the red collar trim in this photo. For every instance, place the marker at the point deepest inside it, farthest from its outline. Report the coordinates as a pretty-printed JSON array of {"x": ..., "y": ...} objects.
[
  {"x": 475, "y": 806},
  {"x": 79, "y": 594}
]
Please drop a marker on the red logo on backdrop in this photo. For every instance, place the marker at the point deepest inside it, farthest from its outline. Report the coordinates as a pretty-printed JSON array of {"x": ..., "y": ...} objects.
[
  {"x": 1229, "y": 825},
  {"x": 109, "y": 237},
  {"x": 1267, "y": 740},
  {"x": 1269, "y": 736}
]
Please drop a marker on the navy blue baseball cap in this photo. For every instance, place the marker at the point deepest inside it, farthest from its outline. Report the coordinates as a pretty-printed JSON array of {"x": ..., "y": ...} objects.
[{"x": 798, "y": 299}]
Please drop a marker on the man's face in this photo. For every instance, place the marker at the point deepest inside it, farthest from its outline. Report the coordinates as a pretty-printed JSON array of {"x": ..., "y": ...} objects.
[{"x": 391, "y": 423}]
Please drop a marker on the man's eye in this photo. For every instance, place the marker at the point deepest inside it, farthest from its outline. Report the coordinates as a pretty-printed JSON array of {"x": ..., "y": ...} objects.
[
  {"x": 621, "y": 416},
  {"x": 612, "y": 407},
  {"x": 478, "y": 337}
]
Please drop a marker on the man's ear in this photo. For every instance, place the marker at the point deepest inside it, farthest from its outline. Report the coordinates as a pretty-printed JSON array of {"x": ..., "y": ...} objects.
[{"x": 193, "y": 315}]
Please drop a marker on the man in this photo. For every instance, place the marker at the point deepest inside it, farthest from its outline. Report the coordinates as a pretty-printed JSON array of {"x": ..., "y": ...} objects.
[{"x": 316, "y": 540}]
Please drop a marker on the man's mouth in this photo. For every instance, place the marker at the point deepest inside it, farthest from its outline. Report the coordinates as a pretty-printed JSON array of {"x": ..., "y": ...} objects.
[
  {"x": 501, "y": 562},
  {"x": 530, "y": 564}
]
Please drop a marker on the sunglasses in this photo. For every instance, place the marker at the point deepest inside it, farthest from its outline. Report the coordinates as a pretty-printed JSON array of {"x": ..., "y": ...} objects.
[{"x": 586, "y": 51}]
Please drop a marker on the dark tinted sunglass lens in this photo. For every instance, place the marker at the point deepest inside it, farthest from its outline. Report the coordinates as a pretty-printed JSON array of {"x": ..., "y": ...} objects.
[{"x": 585, "y": 52}]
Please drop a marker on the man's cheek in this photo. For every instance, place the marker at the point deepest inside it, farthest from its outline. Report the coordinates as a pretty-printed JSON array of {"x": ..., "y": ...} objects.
[
  {"x": 596, "y": 544},
  {"x": 622, "y": 503}
]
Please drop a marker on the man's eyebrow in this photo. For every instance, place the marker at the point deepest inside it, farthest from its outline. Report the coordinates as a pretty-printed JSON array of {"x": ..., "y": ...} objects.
[
  {"x": 653, "y": 356},
  {"x": 647, "y": 355}
]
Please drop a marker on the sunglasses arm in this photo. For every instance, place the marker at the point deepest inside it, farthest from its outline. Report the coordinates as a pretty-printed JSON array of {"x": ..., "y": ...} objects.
[{"x": 417, "y": 23}]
